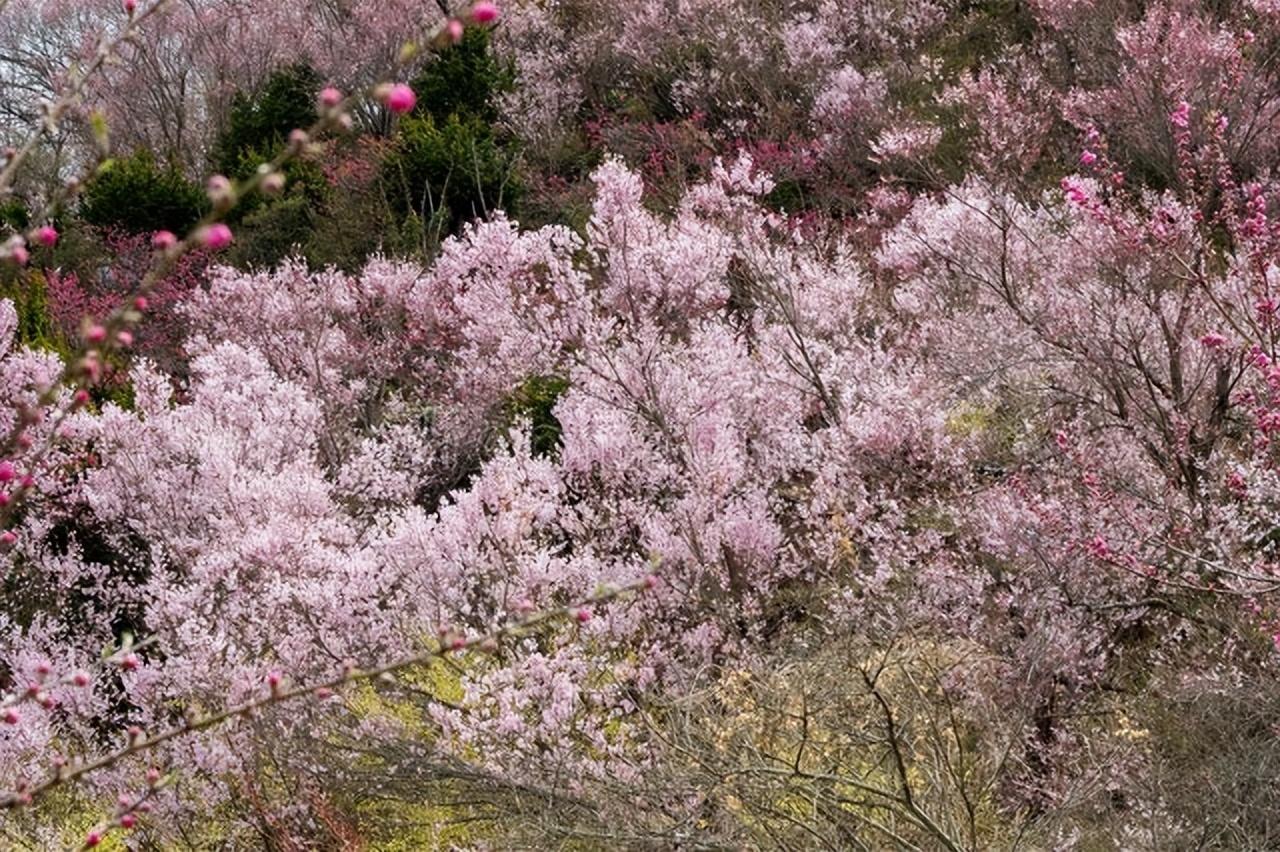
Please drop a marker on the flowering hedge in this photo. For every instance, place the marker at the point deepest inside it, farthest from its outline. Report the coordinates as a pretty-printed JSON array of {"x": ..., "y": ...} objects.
[{"x": 859, "y": 435}]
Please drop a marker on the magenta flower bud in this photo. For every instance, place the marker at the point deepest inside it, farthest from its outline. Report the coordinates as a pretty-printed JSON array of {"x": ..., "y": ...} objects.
[
  {"x": 8, "y": 538},
  {"x": 7, "y": 472},
  {"x": 128, "y": 821},
  {"x": 163, "y": 240},
  {"x": 94, "y": 838},
  {"x": 95, "y": 334},
  {"x": 1088, "y": 158},
  {"x": 651, "y": 581},
  {"x": 153, "y": 776},
  {"x": 43, "y": 669},
  {"x": 129, "y": 6},
  {"x": 141, "y": 302},
  {"x": 216, "y": 236},
  {"x": 11, "y": 716},
  {"x": 484, "y": 12},
  {"x": 129, "y": 662},
  {"x": 80, "y": 679},
  {"x": 330, "y": 97},
  {"x": 125, "y": 338},
  {"x": 400, "y": 99},
  {"x": 47, "y": 236},
  {"x": 454, "y": 30},
  {"x": 19, "y": 255},
  {"x": 583, "y": 615}
]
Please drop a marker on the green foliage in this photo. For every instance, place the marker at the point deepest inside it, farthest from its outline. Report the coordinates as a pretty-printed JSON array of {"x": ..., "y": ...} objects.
[
  {"x": 139, "y": 195},
  {"x": 980, "y": 31},
  {"x": 352, "y": 228},
  {"x": 36, "y": 326},
  {"x": 13, "y": 213},
  {"x": 449, "y": 164},
  {"x": 535, "y": 402},
  {"x": 463, "y": 80},
  {"x": 258, "y": 126},
  {"x": 259, "y": 123},
  {"x": 455, "y": 170},
  {"x": 273, "y": 232}
]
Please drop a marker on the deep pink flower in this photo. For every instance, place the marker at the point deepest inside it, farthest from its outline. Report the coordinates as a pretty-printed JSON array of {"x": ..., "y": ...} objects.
[
  {"x": 47, "y": 236},
  {"x": 401, "y": 99},
  {"x": 1212, "y": 340},
  {"x": 330, "y": 97},
  {"x": 484, "y": 12},
  {"x": 216, "y": 236}
]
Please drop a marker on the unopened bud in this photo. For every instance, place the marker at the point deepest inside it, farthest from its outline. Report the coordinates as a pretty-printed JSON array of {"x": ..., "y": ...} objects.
[
  {"x": 273, "y": 184},
  {"x": 220, "y": 191}
]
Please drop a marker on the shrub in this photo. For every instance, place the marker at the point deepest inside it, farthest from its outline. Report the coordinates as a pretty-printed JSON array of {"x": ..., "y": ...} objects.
[
  {"x": 139, "y": 195},
  {"x": 449, "y": 172},
  {"x": 260, "y": 122}
]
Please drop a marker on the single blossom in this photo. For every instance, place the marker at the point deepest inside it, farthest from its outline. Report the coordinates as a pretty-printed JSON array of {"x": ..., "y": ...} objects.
[
  {"x": 216, "y": 236},
  {"x": 484, "y": 12},
  {"x": 400, "y": 99},
  {"x": 47, "y": 236},
  {"x": 330, "y": 97}
]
